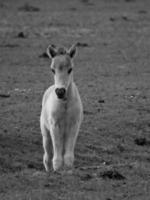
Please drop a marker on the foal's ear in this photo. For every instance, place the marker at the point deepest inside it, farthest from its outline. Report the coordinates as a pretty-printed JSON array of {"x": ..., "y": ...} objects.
[
  {"x": 51, "y": 51},
  {"x": 72, "y": 51}
]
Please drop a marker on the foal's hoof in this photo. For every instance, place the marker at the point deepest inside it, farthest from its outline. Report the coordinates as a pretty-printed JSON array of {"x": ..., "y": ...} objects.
[
  {"x": 68, "y": 161},
  {"x": 57, "y": 164},
  {"x": 46, "y": 163},
  {"x": 47, "y": 169}
]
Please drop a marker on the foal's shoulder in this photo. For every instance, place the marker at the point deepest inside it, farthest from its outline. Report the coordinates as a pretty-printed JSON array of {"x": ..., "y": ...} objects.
[{"x": 46, "y": 94}]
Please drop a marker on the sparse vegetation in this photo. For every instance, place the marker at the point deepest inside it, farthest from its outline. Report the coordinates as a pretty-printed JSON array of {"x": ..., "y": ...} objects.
[{"x": 112, "y": 74}]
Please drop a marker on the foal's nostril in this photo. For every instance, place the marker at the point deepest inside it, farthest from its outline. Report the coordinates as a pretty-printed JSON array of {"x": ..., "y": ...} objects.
[{"x": 60, "y": 92}]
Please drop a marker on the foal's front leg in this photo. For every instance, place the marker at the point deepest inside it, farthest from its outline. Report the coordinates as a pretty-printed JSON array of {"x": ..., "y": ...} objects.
[
  {"x": 57, "y": 140},
  {"x": 70, "y": 141},
  {"x": 47, "y": 147}
]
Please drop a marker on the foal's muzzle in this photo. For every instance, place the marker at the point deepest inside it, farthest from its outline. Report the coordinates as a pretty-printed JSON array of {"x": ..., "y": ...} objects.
[{"x": 60, "y": 92}]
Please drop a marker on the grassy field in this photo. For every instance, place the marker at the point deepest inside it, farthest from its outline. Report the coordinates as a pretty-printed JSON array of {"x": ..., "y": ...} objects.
[{"x": 112, "y": 71}]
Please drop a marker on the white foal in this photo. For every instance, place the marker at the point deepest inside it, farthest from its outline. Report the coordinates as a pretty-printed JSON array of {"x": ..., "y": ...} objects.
[{"x": 62, "y": 111}]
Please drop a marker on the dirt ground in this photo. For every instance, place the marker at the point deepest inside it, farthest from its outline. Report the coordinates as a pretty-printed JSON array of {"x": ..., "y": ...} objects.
[{"x": 112, "y": 71}]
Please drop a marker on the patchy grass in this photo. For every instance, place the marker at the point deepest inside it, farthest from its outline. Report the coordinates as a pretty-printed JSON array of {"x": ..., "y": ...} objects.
[{"x": 112, "y": 73}]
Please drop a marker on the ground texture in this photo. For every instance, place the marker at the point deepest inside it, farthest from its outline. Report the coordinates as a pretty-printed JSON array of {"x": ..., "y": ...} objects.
[{"x": 112, "y": 71}]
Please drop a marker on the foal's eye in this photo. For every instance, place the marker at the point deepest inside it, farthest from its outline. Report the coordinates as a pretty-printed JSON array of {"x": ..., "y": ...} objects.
[
  {"x": 70, "y": 70},
  {"x": 53, "y": 71}
]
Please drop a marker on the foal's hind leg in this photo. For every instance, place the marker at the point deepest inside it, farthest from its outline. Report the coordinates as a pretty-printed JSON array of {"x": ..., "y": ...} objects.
[
  {"x": 47, "y": 147},
  {"x": 70, "y": 141}
]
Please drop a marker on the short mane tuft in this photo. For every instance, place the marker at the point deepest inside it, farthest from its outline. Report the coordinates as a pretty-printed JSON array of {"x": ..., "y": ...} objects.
[{"x": 61, "y": 51}]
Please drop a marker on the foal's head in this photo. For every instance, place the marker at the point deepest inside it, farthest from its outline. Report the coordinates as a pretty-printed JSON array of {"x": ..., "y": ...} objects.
[{"x": 61, "y": 67}]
